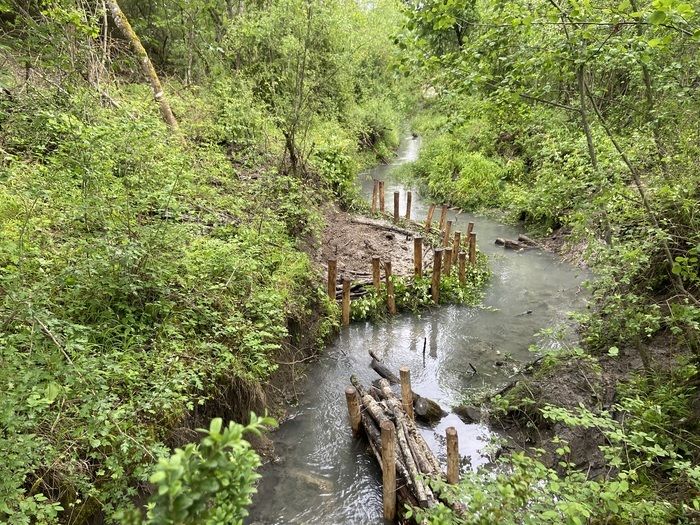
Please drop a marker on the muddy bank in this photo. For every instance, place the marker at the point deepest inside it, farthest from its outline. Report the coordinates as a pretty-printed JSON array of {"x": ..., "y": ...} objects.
[
  {"x": 569, "y": 380},
  {"x": 354, "y": 239}
]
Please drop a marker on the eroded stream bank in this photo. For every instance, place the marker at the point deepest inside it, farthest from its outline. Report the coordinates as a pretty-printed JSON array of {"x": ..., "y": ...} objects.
[{"x": 325, "y": 476}]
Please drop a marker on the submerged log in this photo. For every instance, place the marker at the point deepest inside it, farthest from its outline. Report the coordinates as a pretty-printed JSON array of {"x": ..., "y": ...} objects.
[
  {"x": 510, "y": 244},
  {"x": 424, "y": 408}
]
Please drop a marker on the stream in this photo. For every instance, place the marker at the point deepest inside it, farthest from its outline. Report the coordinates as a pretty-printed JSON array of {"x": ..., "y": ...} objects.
[{"x": 324, "y": 476}]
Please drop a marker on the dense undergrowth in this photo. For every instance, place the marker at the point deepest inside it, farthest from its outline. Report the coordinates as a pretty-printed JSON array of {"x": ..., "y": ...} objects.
[
  {"x": 150, "y": 279},
  {"x": 579, "y": 118}
]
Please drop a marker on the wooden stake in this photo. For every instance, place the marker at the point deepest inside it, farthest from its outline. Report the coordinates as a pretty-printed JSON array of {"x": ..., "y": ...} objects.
[
  {"x": 418, "y": 256},
  {"x": 470, "y": 228},
  {"x": 462, "y": 268},
  {"x": 452, "y": 456},
  {"x": 346, "y": 301},
  {"x": 409, "y": 198},
  {"x": 448, "y": 262},
  {"x": 390, "y": 300},
  {"x": 389, "y": 470},
  {"x": 448, "y": 232},
  {"x": 406, "y": 392},
  {"x": 375, "y": 196},
  {"x": 353, "y": 410},
  {"x": 429, "y": 218},
  {"x": 456, "y": 248},
  {"x": 332, "y": 276},
  {"x": 376, "y": 279},
  {"x": 435, "y": 283},
  {"x": 397, "y": 197},
  {"x": 443, "y": 217},
  {"x": 472, "y": 248},
  {"x": 381, "y": 196}
]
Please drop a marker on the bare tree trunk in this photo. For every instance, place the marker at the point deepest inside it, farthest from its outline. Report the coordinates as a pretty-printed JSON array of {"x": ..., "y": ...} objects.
[
  {"x": 584, "y": 116},
  {"x": 124, "y": 26}
]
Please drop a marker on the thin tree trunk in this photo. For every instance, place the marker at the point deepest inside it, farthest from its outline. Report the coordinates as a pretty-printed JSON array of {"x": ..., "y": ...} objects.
[
  {"x": 122, "y": 22},
  {"x": 584, "y": 116}
]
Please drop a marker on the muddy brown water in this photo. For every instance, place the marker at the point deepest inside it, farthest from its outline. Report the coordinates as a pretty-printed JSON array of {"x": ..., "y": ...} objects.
[{"x": 323, "y": 475}]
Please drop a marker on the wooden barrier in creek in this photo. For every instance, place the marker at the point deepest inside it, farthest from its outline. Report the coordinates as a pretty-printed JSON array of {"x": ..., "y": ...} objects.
[{"x": 406, "y": 460}]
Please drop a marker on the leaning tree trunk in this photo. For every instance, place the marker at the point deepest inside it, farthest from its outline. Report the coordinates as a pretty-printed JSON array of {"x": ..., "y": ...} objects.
[{"x": 124, "y": 26}]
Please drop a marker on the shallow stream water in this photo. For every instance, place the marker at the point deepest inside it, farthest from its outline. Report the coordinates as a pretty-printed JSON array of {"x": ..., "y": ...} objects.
[{"x": 324, "y": 476}]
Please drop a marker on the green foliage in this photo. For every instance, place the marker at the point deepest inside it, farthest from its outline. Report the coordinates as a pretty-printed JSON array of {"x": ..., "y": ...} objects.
[
  {"x": 211, "y": 482},
  {"x": 413, "y": 294},
  {"x": 641, "y": 442}
]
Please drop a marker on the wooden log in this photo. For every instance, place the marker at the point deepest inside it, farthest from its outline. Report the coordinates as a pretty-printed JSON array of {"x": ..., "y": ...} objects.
[
  {"x": 381, "y": 196},
  {"x": 429, "y": 217},
  {"x": 443, "y": 217},
  {"x": 390, "y": 299},
  {"x": 427, "y": 410},
  {"x": 456, "y": 245},
  {"x": 462, "y": 268},
  {"x": 422, "y": 492},
  {"x": 374, "y": 409},
  {"x": 397, "y": 197},
  {"x": 388, "y": 470},
  {"x": 375, "y": 196},
  {"x": 448, "y": 262},
  {"x": 470, "y": 228},
  {"x": 406, "y": 392},
  {"x": 418, "y": 256},
  {"x": 452, "y": 456},
  {"x": 381, "y": 225},
  {"x": 509, "y": 244},
  {"x": 472, "y": 248},
  {"x": 409, "y": 198},
  {"x": 332, "y": 277},
  {"x": 448, "y": 234},
  {"x": 346, "y": 301},
  {"x": 525, "y": 239},
  {"x": 384, "y": 371},
  {"x": 353, "y": 409},
  {"x": 435, "y": 282},
  {"x": 424, "y": 408}
]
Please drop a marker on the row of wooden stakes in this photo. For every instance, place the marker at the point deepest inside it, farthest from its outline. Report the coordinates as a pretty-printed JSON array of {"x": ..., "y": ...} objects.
[
  {"x": 388, "y": 422},
  {"x": 443, "y": 263}
]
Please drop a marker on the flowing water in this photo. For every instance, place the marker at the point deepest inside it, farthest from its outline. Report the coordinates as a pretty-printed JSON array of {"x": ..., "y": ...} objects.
[{"x": 324, "y": 476}]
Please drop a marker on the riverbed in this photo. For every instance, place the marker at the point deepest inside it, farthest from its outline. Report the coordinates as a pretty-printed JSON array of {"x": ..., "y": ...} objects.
[{"x": 324, "y": 476}]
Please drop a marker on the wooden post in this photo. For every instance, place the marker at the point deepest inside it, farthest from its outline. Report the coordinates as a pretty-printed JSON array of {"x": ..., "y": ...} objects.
[
  {"x": 406, "y": 392},
  {"x": 435, "y": 283},
  {"x": 346, "y": 301},
  {"x": 409, "y": 198},
  {"x": 443, "y": 217},
  {"x": 462, "y": 268},
  {"x": 332, "y": 276},
  {"x": 472, "y": 248},
  {"x": 390, "y": 300},
  {"x": 470, "y": 228},
  {"x": 448, "y": 261},
  {"x": 376, "y": 279},
  {"x": 353, "y": 410},
  {"x": 397, "y": 197},
  {"x": 452, "y": 456},
  {"x": 389, "y": 470},
  {"x": 418, "y": 256},
  {"x": 429, "y": 218},
  {"x": 375, "y": 196},
  {"x": 456, "y": 248},
  {"x": 381, "y": 196},
  {"x": 448, "y": 232}
]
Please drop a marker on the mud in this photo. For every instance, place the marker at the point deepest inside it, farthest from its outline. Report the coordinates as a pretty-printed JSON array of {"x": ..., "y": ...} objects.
[
  {"x": 571, "y": 382},
  {"x": 349, "y": 239}
]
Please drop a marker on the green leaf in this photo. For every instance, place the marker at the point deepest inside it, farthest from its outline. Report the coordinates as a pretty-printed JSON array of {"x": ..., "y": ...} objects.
[
  {"x": 657, "y": 17},
  {"x": 215, "y": 425}
]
